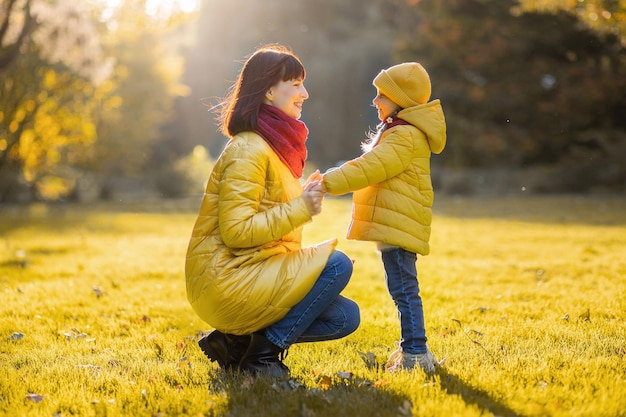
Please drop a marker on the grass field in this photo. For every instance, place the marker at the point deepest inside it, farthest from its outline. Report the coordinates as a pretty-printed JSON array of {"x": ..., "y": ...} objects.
[{"x": 525, "y": 298}]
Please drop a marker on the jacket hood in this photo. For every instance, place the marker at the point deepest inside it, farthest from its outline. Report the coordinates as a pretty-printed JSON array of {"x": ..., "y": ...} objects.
[{"x": 428, "y": 118}]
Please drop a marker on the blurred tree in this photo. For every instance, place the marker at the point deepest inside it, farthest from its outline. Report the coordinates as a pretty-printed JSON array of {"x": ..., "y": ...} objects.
[
  {"x": 10, "y": 43},
  {"x": 45, "y": 106},
  {"x": 139, "y": 99},
  {"x": 520, "y": 88},
  {"x": 608, "y": 16},
  {"x": 66, "y": 112}
]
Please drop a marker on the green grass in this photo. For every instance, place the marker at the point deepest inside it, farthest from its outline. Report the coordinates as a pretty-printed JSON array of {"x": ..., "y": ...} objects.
[{"x": 524, "y": 297}]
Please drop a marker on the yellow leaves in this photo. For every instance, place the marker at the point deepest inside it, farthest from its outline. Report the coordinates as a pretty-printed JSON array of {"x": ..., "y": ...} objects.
[
  {"x": 42, "y": 96},
  {"x": 50, "y": 79},
  {"x": 121, "y": 71},
  {"x": 53, "y": 188},
  {"x": 114, "y": 102},
  {"x": 171, "y": 69},
  {"x": 30, "y": 105}
]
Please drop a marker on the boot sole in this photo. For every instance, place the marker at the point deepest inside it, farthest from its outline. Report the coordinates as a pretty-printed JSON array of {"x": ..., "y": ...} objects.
[{"x": 207, "y": 345}]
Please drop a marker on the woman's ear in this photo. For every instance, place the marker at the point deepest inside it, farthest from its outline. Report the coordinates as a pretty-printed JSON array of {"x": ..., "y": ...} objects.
[{"x": 269, "y": 94}]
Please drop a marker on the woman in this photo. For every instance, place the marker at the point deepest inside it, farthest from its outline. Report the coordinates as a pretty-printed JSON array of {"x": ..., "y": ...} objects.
[{"x": 247, "y": 273}]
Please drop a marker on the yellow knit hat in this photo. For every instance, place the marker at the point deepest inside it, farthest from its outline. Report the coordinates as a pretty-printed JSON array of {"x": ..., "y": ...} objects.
[{"x": 406, "y": 84}]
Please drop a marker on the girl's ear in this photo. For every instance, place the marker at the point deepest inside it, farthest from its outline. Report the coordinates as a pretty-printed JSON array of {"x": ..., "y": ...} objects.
[{"x": 269, "y": 95}]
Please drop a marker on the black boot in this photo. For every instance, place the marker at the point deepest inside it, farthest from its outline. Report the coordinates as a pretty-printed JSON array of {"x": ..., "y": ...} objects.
[
  {"x": 263, "y": 357},
  {"x": 237, "y": 348},
  {"x": 226, "y": 349}
]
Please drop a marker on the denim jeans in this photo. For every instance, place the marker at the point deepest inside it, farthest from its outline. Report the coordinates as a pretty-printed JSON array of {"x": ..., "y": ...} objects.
[
  {"x": 401, "y": 278},
  {"x": 322, "y": 314}
]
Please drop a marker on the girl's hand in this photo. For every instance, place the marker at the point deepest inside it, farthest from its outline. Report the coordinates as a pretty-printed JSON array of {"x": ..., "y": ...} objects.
[
  {"x": 316, "y": 176},
  {"x": 313, "y": 195}
]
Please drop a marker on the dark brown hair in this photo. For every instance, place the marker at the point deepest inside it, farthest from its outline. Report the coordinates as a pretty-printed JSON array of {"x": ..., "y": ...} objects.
[{"x": 266, "y": 67}]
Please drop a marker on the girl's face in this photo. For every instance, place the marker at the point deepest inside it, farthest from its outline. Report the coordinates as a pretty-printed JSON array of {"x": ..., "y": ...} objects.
[
  {"x": 288, "y": 96},
  {"x": 384, "y": 106}
]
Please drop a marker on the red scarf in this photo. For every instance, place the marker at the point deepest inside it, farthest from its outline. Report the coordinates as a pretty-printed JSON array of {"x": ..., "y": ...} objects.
[{"x": 285, "y": 135}]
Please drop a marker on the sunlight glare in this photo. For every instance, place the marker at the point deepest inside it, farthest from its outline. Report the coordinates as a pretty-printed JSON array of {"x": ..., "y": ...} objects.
[
  {"x": 167, "y": 7},
  {"x": 157, "y": 7}
]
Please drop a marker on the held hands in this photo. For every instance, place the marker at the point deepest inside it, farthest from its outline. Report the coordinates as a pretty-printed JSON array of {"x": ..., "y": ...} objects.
[
  {"x": 313, "y": 193},
  {"x": 316, "y": 176}
]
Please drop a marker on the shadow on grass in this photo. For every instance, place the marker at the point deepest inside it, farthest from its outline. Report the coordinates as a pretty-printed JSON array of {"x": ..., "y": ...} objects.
[
  {"x": 268, "y": 397},
  {"x": 453, "y": 385}
]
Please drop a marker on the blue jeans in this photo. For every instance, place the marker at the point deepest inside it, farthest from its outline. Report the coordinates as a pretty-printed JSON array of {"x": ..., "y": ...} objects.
[
  {"x": 401, "y": 278},
  {"x": 322, "y": 314}
]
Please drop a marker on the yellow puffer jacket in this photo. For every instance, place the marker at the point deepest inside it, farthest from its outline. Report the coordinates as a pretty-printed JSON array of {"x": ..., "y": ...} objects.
[
  {"x": 393, "y": 192},
  {"x": 245, "y": 266}
]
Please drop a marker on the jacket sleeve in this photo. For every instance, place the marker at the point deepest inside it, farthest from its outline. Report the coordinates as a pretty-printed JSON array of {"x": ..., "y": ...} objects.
[
  {"x": 388, "y": 159},
  {"x": 243, "y": 221}
]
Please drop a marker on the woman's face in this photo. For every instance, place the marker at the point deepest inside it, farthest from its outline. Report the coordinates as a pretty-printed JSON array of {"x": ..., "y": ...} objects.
[
  {"x": 288, "y": 96},
  {"x": 384, "y": 106}
]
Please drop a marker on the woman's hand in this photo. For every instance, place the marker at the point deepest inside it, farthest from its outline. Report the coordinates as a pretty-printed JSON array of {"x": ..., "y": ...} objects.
[{"x": 313, "y": 195}]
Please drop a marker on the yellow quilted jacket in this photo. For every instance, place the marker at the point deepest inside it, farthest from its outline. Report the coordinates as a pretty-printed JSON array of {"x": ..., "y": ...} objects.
[
  {"x": 245, "y": 266},
  {"x": 393, "y": 192}
]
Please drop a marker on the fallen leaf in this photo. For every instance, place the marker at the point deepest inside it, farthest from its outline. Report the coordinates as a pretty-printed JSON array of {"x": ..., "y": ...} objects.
[
  {"x": 36, "y": 398},
  {"x": 345, "y": 375},
  {"x": 184, "y": 365},
  {"x": 93, "y": 368},
  {"x": 381, "y": 383},
  {"x": 113, "y": 363},
  {"x": 16, "y": 336},
  {"x": 475, "y": 332},
  {"x": 405, "y": 408},
  {"x": 325, "y": 382},
  {"x": 370, "y": 360},
  {"x": 159, "y": 349},
  {"x": 586, "y": 316},
  {"x": 247, "y": 382},
  {"x": 98, "y": 291},
  {"x": 315, "y": 371},
  {"x": 295, "y": 384}
]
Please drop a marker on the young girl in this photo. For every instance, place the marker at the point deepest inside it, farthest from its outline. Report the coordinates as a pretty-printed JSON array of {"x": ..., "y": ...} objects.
[{"x": 393, "y": 195}]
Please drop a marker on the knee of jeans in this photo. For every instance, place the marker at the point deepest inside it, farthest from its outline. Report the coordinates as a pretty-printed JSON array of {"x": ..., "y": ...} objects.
[
  {"x": 353, "y": 316},
  {"x": 342, "y": 263}
]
